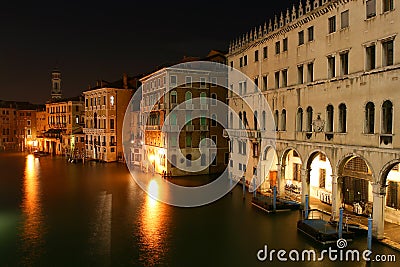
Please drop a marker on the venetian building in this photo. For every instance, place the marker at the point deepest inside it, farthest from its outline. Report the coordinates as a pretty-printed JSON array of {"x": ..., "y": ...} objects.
[{"x": 329, "y": 71}]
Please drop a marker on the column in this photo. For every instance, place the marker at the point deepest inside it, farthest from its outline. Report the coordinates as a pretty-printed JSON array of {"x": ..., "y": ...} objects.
[
  {"x": 305, "y": 184},
  {"x": 280, "y": 180},
  {"x": 378, "y": 213},
  {"x": 335, "y": 197}
]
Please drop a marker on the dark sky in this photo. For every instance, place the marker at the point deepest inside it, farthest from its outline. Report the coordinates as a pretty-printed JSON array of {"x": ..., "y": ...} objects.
[{"x": 102, "y": 39}]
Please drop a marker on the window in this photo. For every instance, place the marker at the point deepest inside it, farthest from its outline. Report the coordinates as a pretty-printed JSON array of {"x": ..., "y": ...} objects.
[
  {"x": 231, "y": 64},
  {"x": 301, "y": 37},
  {"x": 344, "y": 63},
  {"x": 173, "y": 80},
  {"x": 370, "y": 118},
  {"x": 285, "y": 44},
  {"x": 344, "y": 19},
  {"x": 188, "y": 139},
  {"x": 255, "y": 120},
  {"x": 256, "y": 56},
  {"x": 112, "y": 126},
  {"x": 241, "y": 62},
  {"x": 245, "y": 60},
  {"x": 329, "y": 119},
  {"x": 371, "y": 8},
  {"x": 240, "y": 120},
  {"x": 172, "y": 118},
  {"x": 213, "y": 120},
  {"x": 332, "y": 24},
  {"x": 202, "y": 82},
  {"x": 111, "y": 101},
  {"x": 310, "y": 31},
  {"x": 188, "y": 97},
  {"x": 370, "y": 57},
  {"x": 214, "y": 141},
  {"x": 76, "y": 119},
  {"x": 265, "y": 82},
  {"x": 256, "y": 84},
  {"x": 284, "y": 78},
  {"x": 188, "y": 117},
  {"x": 283, "y": 120},
  {"x": 188, "y": 81},
  {"x": 299, "y": 120},
  {"x": 263, "y": 120},
  {"x": 342, "y": 118},
  {"x": 277, "y": 79},
  {"x": 277, "y": 48},
  {"x": 265, "y": 52},
  {"x": 255, "y": 150},
  {"x": 300, "y": 77},
  {"x": 309, "y": 119},
  {"x": 297, "y": 172},
  {"x": 276, "y": 118},
  {"x": 387, "y": 5},
  {"x": 387, "y": 117},
  {"x": 310, "y": 72},
  {"x": 213, "y": 99},
  {"x": 331, "y": 67},
  {"x": 387, "y": 53},
  {"x": 322, "y": 176},
  {"x": 214, "y": 81},
  {"x": 226, "y": 158}
]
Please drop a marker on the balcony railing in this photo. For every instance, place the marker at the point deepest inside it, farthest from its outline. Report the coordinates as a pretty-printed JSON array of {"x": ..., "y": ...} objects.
[
  {"x": 204, "y": 128},
  {"x": 189, "y": 128}
]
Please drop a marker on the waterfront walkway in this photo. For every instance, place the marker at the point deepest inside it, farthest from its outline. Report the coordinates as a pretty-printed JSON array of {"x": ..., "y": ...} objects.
[{"x": 392, "y": 231}]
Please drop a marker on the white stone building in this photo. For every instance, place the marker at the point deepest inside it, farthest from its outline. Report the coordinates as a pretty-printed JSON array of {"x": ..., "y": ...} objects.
[{"x": 329, "y": 71}]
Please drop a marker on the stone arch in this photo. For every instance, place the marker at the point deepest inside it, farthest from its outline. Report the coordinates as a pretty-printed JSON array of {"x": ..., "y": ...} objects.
[
  {"x": 287, "y": 150},
  {"x": 385, "y": 171},
  {"x": 311, "y": 156},
  {"x": 347, "y": 157}
]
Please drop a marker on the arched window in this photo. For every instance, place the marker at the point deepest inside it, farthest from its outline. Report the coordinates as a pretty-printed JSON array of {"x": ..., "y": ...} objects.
[
  {"x": 95, "y": 120},
  {"x": 299, "y": 120},
  {"x": 276, "y": 117},
  {"x": 172, "y": 118},
  {"x": 173, "y": 97},
  {"x": 231, "y": 120},
  {"x": 203, "y": 99},
  {"x": 283, "y": 120},
  {"x": 240, "y": 120},
  {"x": 255, "y": 120},
  {"x": 370, "y": 118},
  {"x": 213, "y": 120},
  {"x": 213, "y": 99},
  {"x": 245, "y": 122},
  {"x": 188, "y": 97},
  {"x": 329, "y": 119},
  {"x": 387, "y": 117},
  {"x": 264, "y": 120},
  {"x": 342, "y": 118},
  {"x": 309, "y": 119}
]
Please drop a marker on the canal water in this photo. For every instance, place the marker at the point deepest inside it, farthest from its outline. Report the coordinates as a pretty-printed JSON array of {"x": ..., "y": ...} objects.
[{"x": 54, "y": 213}]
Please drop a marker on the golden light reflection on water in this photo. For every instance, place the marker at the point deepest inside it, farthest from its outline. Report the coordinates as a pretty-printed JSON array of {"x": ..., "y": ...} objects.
[
  {"x": 154, "y": 226},
  {"x": 31, "y": 205}
]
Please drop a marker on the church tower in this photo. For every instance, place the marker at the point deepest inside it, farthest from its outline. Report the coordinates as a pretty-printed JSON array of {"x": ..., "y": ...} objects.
[{"x": 56, "y": 85}]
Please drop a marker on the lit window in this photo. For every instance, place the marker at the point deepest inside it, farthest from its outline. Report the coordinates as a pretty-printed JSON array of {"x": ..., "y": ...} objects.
[{"x": 111, "y": 100}]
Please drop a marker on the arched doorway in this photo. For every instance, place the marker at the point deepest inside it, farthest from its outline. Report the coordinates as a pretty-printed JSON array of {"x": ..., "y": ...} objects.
[
  {"x": 390, "y": 180},
  {"x": 269, "y": 169},
  {"x": 291, "y": 174},
  {"x": 320, "y": 175},
  {"x": 355, "y": 185}
]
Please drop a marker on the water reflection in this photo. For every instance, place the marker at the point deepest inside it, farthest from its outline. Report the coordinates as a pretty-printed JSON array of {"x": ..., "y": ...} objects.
[
  {"x": 153, "y": 227},
  {"x": 31, "y": 207}
]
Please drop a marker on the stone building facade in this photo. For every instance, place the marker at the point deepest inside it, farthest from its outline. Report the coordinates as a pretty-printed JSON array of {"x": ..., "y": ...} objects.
[{"x": 329, "y": 71}]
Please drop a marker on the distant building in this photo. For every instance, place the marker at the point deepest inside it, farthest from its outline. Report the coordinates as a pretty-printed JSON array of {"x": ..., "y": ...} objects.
[
  {"x": 105, "y": 107},
  {"x": 163, "y": 91},
  {"x": 56, "y": 93}
]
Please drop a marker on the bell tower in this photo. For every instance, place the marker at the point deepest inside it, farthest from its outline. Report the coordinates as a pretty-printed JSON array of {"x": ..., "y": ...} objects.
[{"x": 56, "y": 93}]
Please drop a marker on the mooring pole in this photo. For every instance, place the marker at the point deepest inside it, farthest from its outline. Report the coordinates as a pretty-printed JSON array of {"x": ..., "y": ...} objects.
[
  {"x": 274, "y": 200},
  {"x": 306, "y": 208},
  {"x": 244, "y": 187},
  {"x": 254, "y": 188},
  {"x": 369, "y": 238},
  {"x": 340, "y": 223}
]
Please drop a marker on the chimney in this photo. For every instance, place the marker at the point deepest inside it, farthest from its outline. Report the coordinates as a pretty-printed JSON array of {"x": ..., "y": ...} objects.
[{"x": 125, "y": 80}]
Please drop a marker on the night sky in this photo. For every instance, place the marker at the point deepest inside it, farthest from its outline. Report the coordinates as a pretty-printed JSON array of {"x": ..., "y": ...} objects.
[{"x": 101, "y": 40}]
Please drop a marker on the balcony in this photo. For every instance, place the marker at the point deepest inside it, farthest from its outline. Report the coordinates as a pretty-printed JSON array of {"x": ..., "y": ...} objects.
[
  {"x": 204, "y": 128},
  {"x": 153, "y": 127},
  {"x": 254, "y": 134},
  {"x": 386, "y": 140},
  {"x": 189, "y": 128}
]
